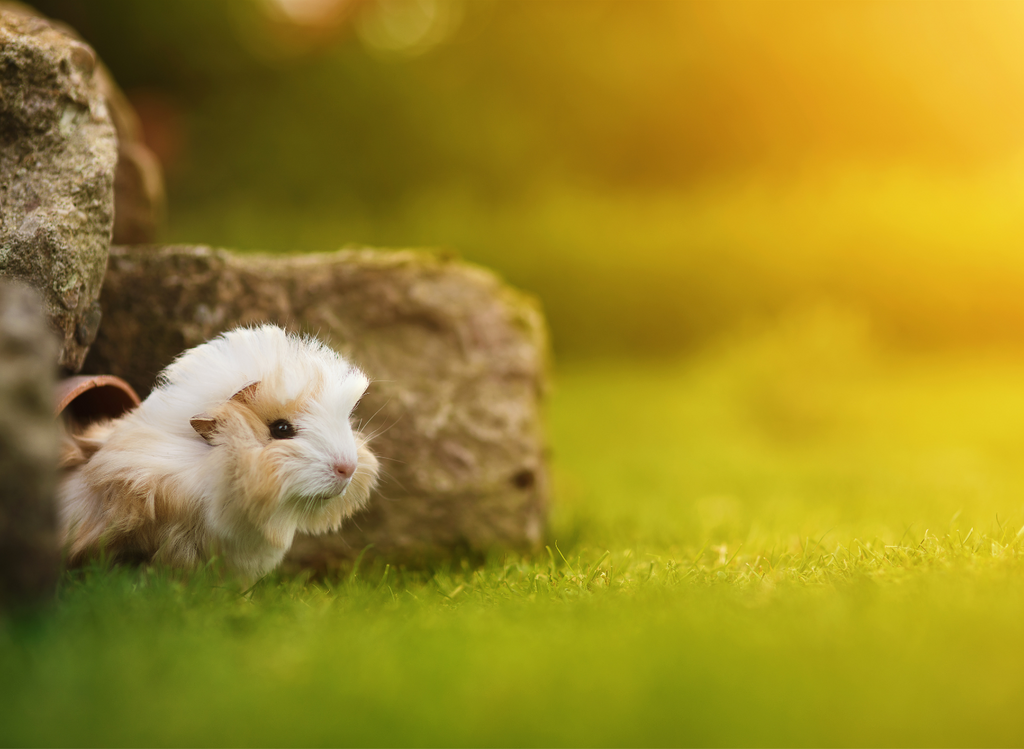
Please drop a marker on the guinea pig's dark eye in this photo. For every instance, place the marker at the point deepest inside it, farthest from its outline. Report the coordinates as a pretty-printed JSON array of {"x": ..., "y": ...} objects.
[{"x": 282, "y": 429}]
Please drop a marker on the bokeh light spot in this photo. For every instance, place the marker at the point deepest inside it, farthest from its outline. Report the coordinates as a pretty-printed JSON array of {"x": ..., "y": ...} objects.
[{"x": 408, "y": 27}]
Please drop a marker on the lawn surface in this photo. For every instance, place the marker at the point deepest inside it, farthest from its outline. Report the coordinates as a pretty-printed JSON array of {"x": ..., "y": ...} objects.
[{"x": 793, "y": 538}]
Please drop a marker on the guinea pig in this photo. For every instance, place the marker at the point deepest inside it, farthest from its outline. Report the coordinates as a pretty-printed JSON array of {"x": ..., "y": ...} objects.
[{"x": 245, "y": 440}]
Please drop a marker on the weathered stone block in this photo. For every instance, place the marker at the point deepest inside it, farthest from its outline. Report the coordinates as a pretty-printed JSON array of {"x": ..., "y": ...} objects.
[
  {"x": 58, "y": 151},
  {"x": 29, "y": 547},
  {"x": 457, "y": 360}
]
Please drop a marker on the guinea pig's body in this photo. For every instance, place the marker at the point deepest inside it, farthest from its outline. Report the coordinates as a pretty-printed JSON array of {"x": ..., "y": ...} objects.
[{"x": 245, "y": 440}]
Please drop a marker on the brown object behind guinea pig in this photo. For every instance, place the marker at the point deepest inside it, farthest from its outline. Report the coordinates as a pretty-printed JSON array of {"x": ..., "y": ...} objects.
[{"x": 86, "y": 399}]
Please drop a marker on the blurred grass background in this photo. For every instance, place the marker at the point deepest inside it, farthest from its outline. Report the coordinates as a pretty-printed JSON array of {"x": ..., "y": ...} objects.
[{"x": 779, "y": 247}]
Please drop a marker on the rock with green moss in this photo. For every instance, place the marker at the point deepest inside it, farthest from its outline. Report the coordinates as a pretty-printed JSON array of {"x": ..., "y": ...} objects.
[
  {"x": 29, "y": 550},
  {"x": 457, "y": 361},
  {"x": 58, "y": 152}
]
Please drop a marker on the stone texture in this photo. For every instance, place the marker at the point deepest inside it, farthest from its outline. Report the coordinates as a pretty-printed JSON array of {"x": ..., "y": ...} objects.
[
  {"x": 58, "y": 151},
  {"x": 29, "y": 547},
  {"x": 140, "y": 200},
  {"x": 457, "y": 360}
]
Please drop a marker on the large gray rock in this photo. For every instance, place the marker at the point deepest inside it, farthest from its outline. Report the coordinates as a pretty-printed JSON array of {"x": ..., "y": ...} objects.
[
  {"x": 140, "y": 200},
  {"x": 457, "y": 360},
  {"x": 29, "y": 548},
  {"x": 58, "y": 151}
]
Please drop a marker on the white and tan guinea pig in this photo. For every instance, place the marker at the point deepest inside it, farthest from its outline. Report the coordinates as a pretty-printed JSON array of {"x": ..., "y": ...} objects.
[{"x": 245, "y": 440}]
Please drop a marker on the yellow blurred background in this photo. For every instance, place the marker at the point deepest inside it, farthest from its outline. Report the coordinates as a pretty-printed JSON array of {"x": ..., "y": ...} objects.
[{"x": 660, "y": 173}]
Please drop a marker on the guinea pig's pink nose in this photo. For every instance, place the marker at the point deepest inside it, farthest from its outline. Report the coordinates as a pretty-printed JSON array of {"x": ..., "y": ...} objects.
[{"x": 344, "y": 470}]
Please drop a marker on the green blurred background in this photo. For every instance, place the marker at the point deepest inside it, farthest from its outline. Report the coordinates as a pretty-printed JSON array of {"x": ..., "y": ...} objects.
[{"x": 657, "y": 172}]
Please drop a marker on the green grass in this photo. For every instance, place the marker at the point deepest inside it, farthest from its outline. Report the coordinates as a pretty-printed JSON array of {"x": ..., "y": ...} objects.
[{"x": 793, "y": 538}]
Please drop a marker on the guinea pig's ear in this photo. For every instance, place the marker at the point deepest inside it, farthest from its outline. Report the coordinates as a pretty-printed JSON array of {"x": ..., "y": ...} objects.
[
  {"x": 204, "y": 424},
  {"x": 247, "y": 394}
]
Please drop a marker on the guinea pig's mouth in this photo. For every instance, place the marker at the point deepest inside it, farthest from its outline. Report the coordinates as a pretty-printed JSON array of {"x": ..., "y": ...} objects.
[
  {"x": 333, "y": 490},
  {"x": 325, "y": 496}
]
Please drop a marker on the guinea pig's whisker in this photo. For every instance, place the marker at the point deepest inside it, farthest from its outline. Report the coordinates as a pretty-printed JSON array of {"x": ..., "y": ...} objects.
[
  {"x": 374, "y": 414},
  {"x": 385, "y": 474},
  {"x": 373, "y": 435}
]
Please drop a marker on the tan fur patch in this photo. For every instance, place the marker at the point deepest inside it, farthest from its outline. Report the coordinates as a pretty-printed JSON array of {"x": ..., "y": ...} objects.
[{"x": 76, "y": 448}]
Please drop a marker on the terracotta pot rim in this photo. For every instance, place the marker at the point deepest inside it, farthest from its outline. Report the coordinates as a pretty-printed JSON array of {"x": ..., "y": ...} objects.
[{"x": 71, "y": 388}]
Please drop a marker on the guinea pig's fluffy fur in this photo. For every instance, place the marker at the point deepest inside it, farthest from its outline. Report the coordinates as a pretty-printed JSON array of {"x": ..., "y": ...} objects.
[{"x": 245, "y": 440}]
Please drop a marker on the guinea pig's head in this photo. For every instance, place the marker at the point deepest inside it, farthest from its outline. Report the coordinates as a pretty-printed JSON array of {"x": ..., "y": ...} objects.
[{"x": 293, "y": 450}]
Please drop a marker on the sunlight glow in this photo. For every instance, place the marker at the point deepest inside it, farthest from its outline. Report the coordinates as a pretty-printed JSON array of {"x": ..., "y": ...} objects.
[
  {"x": 309, "y": 12},
  {"x": 408, "y": 27}
]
